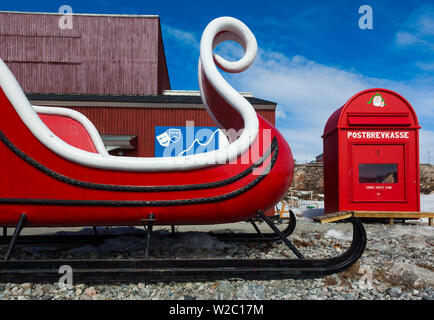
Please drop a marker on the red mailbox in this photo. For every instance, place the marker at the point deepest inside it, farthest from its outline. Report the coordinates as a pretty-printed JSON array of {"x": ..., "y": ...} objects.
[{"x": 371, "y": 154}]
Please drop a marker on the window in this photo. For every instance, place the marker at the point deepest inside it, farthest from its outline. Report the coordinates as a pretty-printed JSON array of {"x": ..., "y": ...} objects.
[{"x": 378, "y": 173}]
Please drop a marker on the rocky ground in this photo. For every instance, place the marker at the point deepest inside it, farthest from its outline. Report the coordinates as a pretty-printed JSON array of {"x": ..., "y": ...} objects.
[{"x": 398, "y": 264}]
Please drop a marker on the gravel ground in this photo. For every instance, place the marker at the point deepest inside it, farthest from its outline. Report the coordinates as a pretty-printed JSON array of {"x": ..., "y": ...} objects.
[{"x": 398, "y": 264}]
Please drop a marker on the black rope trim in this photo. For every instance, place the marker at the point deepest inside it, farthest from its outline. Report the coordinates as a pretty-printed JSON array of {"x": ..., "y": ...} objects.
[
  {"x": 109, "y": 187},
  {"x": 153, "y": 203}
]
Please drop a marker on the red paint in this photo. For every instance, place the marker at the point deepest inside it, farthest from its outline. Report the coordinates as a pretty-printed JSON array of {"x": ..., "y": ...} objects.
[
  {"x": 21, "y": 180},
  {"x": 371, "y": 155},
  {"x": 70, "y": 131}
]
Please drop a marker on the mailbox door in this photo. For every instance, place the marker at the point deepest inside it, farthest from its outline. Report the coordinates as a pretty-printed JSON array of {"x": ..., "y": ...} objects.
[{"x": 378, "y": 172}]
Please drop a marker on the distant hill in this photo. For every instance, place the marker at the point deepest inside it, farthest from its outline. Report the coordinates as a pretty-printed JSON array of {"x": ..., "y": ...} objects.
[
  {"x": 310, "y": 177},
  {"x": 426, "y": 178}
]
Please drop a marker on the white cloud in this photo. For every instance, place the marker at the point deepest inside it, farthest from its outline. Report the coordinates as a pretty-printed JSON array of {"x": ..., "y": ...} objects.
[
  {"x": 308, "y": 92},
  {"x": 280, "y": 114},
  {"x": 425, "y": 66},
  {"x": 419, "y": 30},
  {"x": 305, "y": 142},
  {"x": 404, "y": 38},
  {"x": 425, "y": 23},
  {"x": 182, "y": 36}
]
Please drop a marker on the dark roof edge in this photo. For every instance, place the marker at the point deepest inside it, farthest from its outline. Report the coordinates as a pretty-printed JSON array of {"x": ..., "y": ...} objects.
[
  {"x": 193, "y": 99},
  {"x": 121, "y": 15}
]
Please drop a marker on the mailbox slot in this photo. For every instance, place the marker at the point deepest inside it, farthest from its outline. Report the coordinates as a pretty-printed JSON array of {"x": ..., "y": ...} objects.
[{"x": 379, "y": 173}]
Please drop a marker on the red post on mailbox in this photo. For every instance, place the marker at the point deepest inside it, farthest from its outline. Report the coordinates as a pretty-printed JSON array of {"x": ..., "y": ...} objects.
[{"x": 371, "y": 154}]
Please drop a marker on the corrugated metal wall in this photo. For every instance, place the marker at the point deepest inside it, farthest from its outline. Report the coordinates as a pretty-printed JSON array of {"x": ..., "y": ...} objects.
[
  {"x": 142, "y": 121},
  {"x": 100, "y": 55}
]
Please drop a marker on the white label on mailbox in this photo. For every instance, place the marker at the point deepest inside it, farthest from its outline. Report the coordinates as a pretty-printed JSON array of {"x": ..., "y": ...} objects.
[{"x": 378, "y": 135}]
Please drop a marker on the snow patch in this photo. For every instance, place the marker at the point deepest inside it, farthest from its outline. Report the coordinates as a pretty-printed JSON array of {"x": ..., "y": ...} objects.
[
  {"x": 337, "y": 235},
  {"x": 427, "y": 202}
]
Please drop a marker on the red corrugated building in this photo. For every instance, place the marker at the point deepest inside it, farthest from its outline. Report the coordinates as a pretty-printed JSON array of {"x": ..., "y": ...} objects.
[{"x": 112, "y": 68}]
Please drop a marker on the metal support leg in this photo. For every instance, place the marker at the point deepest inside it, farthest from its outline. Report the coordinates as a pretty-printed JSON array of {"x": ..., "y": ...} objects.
[
  {"x": 148, "y": 235},
  {"x": 255, "y": 226},
  {"x": 20, "y": 226},
  {"x": 5, "y": 232},
  {"x": 281, "y": 236},
  {"x": 173, "y": 230},
  {"x": 95, "y": 231}
]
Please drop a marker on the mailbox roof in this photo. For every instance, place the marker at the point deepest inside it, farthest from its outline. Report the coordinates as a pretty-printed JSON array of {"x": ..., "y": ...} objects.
[{"x": 373, "y": 108}]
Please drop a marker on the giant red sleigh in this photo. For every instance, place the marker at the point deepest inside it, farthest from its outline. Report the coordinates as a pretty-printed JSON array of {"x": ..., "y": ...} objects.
[
  {"x": 55, "y": 191},
  {"x": 59, "y": 189},
  {"x": 55, "y": 172}
]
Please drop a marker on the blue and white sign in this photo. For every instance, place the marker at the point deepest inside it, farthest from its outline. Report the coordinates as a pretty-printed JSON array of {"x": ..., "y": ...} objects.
[{"x": 183, "y": 141}]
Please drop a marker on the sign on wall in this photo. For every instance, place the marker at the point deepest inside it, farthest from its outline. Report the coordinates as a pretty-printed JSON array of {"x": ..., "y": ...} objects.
[{"x": 171, "y": 141}]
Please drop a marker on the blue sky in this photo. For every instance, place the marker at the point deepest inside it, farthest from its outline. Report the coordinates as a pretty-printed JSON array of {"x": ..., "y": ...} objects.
[{"x": 312, "y": 54}]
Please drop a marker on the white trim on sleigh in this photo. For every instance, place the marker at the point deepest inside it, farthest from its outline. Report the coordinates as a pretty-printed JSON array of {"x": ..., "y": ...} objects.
[
  {"x": 80, "y": 118},
  {"x": 31, "y": 119}
]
